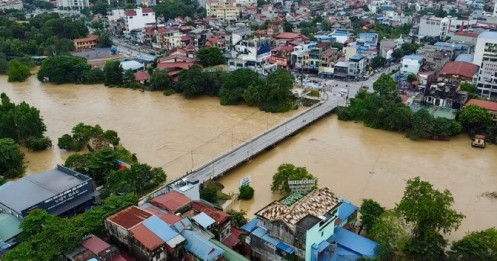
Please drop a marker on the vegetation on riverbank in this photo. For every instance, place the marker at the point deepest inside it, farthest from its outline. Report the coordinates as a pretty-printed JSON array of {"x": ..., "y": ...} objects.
[
  {"x": 287, "y": 172},
  {"x": 385, "y": 110},
  {"x": 113, "y": 167},
  {"x": 414, "y": 229}
]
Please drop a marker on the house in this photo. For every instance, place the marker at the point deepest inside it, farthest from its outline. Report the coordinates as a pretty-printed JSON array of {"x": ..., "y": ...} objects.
[
  {"x": 221, "y": 227},
  {"x": 145, "y": 235},
  {"x": 142, "y": 77},
  {"x": 253, "y": 54},
  {"x": 411, "y": 64},
  {"x": 357, "y": 65},
  {"x": 434, "y": 57},
  {"x": 200, "y": 247},
  {"x": 174, "y": 64},
  {"x": 347, "y": 215},
  {"x": 89, "y": 42},
  {"x": 351, "y": 246},
  {"x": 490, "y": 106},
  {"x": 173, "y": 202},
  {"x": 387, "y": 47},
  {"x": 459, "y": 71},
  {"x": 137, "y": 19},
  {"x": 94, "y": 247},
  {"x": 169, "y": 37}
]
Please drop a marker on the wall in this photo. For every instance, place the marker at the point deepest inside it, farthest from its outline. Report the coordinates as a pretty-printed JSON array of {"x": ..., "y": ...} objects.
[{"x": 320, "y": 232}]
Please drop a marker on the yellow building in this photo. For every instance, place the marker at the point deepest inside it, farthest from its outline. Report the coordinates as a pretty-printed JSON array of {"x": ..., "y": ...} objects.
[
  {"x": 223, "y": 9},
  {"x": 89, "y": 42}
]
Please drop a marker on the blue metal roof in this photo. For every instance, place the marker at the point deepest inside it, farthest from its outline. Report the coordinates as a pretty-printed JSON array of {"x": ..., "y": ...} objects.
[
  {"x": 356, "y": 57},
  {"x": 251, "y": 225},
  {"x": 354, "y": 242},
  {"x": 285, "y": 247},
  {"x": 346, "y": 209},
  {"x": 450, "y": 45},
  {"x": 204, "y": 220},
  {"x": 413, "y": 57},
  {"x": 317, "y": 249},
  {"x": 259, "y": 232},
  {"x": 183, "y": 224},
  {"x": 201, "y": 247},
  {"x": 342, "y": 254},
  {"x": 160, "y": 228}
]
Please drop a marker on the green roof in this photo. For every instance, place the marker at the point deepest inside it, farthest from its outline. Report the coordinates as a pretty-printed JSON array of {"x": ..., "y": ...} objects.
[
  {"x": 229, "y": 254},
  {"x": 9, "y": 226},
  {"x": 294, "y": 197}
]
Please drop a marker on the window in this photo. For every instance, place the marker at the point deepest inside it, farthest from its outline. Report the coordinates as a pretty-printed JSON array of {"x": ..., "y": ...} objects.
[{"x": 405, "y": 66}]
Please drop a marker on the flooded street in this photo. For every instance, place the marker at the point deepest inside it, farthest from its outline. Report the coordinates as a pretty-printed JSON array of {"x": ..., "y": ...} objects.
[{"x": 178, "y": 134}]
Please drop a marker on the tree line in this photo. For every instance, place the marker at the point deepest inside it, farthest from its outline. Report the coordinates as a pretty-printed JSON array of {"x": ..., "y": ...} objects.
[
  {"x": 385, "y": 110},
  {"x": 19, "y": 124}
]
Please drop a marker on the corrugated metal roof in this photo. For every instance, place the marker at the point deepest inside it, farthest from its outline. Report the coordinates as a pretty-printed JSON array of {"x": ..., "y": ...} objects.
[
  {"x": 219, "y": 216},
  {"x": 354, "y": 242},
  {"x": 171, "y": 201},
  {"x": 201, "y": 247},
  {"x": 95, "y": 245},
  {"x": 251, "y": 225},
  {"x": 183, "y": 224},
  {"x": 204, "y": 220},
  {"x": 129, "y": 217},
  {"x": 146, "y": 237},
  {"x": 160, "y": 228},
  {"x": 175, "y": 241},
  {"x": 229, "y": 254},
  {"x": 346, "y": 209}
]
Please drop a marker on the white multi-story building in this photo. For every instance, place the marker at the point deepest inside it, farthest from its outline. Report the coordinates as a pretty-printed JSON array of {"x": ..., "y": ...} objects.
[
  {"x": 226, "y": 10},
  {"x": 434, "y": 26},
  {"x": 251, "y": 53},
  {"x": 138, "y": 19},
  {"x": 486, "y": 58},
  {"x": 11, "y": 4},
  {"x": 73, "y": 4},
  {"x": 411, "y": 64},
  {"x": 246, "y": 2}
]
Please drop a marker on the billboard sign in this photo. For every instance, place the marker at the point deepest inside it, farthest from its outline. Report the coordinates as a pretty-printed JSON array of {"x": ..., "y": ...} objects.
[{"x": 301, "y": 185}]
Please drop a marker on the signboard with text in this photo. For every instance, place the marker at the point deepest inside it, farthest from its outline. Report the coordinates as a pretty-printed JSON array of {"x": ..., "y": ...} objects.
[{"x": 301, "y": 185}]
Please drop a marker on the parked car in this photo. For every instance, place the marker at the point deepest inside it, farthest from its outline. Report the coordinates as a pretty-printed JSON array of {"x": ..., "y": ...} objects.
[
  {"x": 478, "y": 141},
  {"x": 365, "y": 87}
]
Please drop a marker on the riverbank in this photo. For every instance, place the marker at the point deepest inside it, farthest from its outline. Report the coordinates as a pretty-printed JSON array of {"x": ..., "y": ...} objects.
[{"x": 357, "y": 162}]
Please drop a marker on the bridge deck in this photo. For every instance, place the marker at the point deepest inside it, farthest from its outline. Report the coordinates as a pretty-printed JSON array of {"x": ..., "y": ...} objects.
[{"x": 244, "y": 152}]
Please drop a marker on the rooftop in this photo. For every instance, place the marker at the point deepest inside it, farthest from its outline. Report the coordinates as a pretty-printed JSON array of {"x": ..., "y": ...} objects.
[
  {"x": 9, "y": 226},
  {"x": 488, "y": 105},
  {"x": 219, "y": 216},
  {"x": 171, "y": 201},
  {"x": 288, "y": 35},
  {"x": 464, "y": 69},
  {"x": 316, "y": 203},
  {"x": 129, "y": 217},
  {"x": 488, "y": 35},
  {"x": 89, "y": 38},
  {"x": 203, "y": 220},
  {"x": 41, "y": 187},
  {"x": 95, "y": 245},
  {"x": 354, "y": 243},
  {"x": 201, "y": 247},
  {"x": 413, "y": 57}
]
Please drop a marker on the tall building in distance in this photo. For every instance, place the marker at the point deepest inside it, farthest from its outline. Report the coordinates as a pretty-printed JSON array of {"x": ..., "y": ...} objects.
[
  {"x": 73, "y": 4},
  {"x": 486, "y": 58}
]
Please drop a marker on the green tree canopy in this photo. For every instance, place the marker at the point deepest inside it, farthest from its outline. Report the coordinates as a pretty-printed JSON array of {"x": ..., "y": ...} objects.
[
  {"x": 192, "y": 82},
  {"x": 63, "y": 69},
  {"x": 82, "y": 134},
  {"x": 468, "y": 87},
  {"x": 210, "y": 56},
  {"x": 475, "y": 119},
  {"x": 479, "y": 245},
  {"x": 246, "y": 192},
  {"x": 238, "y": 218},
  {"x": 94, "y": 76},
  {"x": 370, "y": 211},
  {"x": 235, "y": 84},
  {"x": 287, "y": 26},
  {"x": 430, "y": 213},
  {"x": 288, "y": 172},
  {"x": 390, "y": 231},
  {"x": 113, "y": 73},
  {"x": 385, "y": 85},
  {"x": 422, "y": 125},
  {"x": 378, "y": 62},
  {"x": 17, "y": 71},
  {"x": 209, "y": 193},
  {"x": 138, "y": 180},
  {"x": 398, "y": 53},
  {"x": 160, "y": 81},
  {"x": 11, "y": 159}
]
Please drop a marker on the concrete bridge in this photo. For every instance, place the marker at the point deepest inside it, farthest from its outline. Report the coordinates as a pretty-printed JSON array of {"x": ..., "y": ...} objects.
[{"x": 220, "y": 165}]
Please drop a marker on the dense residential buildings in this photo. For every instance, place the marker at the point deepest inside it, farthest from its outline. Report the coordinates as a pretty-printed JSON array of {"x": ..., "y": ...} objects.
[
  {"x": 226, "y": 10},
  {"x": 138, "y": 19}
]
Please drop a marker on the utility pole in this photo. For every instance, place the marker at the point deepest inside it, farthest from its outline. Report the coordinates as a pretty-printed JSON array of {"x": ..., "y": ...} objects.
[{"x": 191, "y": 153}]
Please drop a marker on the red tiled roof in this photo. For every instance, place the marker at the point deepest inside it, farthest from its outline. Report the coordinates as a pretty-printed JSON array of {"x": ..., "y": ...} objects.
[
  {"x": 95, "y": 245},
  {"x": 130, "y": 13},
  {"x": 129, "y": 217},
  {"x": 171, "y": 201},
  {"x": 146, "y": 237},
  {"x": 219, "y": 216},
  {"x": 168, "y": 65},
  {"x": 288, "y": 35},
  {"x": 487, "y": 105},
  {"x": 142, "y": 76},
  {"x": 234, "y": 238},
  {"x": 464, "y": 69},
  {"x": 190, "y": 47},
  {"x": 176, "y": 58},
  {"x": 147, "y": 10},
  {"x": 467, "y": 34},
  {"x": 90, "y": 37}
]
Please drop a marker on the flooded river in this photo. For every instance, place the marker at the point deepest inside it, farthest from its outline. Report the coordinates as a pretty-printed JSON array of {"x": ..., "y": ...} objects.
[{"x": 354, "y": 161}]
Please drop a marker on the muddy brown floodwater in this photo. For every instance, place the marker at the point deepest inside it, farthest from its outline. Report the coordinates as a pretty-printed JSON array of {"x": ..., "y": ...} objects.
[{"x": 354, "y": 161}]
